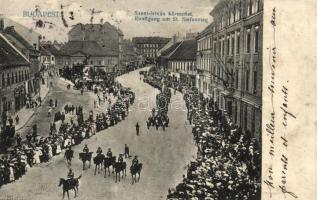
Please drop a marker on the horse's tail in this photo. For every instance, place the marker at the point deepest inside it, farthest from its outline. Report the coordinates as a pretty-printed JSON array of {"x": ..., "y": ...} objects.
[{"x": 140, "y": 166}]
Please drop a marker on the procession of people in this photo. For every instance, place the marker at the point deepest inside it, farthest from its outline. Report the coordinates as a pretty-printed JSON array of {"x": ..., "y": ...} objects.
[
  {"x": 35, "y": 149},
  {"x": 227, "y": 165},
  {"x": 228, "y": 161}
]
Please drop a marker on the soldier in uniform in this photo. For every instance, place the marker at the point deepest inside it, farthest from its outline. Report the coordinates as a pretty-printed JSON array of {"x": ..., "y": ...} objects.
[
  {"x": 86, "y": 149},
  {"x": 70, "y": 176},
  {"x": 99, "y": 151},
  {"x": 120, "y": 158},
  {"x": 135, "y": 161},
  {"x": 109, "y": 153}
]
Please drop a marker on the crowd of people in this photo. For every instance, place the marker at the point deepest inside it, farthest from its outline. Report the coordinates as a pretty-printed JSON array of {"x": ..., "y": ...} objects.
[
  {"x": 36, "y": 150},
  {"x": 159, "y": 117},
  {"x": 228, "y": 163},
  {"x": 117, "y": 112}
]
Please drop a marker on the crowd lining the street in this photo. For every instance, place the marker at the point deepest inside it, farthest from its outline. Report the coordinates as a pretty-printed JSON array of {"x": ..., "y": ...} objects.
[
  {"x": 35, "y": 150},
  {"x": 228, "y": 163}
]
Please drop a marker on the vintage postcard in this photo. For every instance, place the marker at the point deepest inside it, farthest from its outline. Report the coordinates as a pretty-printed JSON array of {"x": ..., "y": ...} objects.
[{"x": 158, "y": 99}]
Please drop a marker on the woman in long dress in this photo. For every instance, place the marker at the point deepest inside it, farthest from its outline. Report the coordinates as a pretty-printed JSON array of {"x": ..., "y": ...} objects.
[
  {"x": 36, "y": 157},
  {"x": 58, "y": 148},
  {"x": 50, "y": 151},
  {"x": 11, "y": 173}
]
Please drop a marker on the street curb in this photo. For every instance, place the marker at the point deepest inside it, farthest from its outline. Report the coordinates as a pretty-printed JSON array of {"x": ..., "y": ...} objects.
[{"x": 33, "y": 112}]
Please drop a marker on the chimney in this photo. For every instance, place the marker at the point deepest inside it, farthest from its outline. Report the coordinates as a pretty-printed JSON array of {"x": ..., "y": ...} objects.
[{"x": 1, "y": 24}]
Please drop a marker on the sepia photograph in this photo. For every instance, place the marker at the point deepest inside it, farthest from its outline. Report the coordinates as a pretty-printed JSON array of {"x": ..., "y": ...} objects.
[{"x": 131, "y": 99}]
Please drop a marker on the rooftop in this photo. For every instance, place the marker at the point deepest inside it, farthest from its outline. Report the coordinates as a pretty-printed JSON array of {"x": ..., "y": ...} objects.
[
  {"x": 89, "y": 48},
  {"x": 9, "y": 55}
]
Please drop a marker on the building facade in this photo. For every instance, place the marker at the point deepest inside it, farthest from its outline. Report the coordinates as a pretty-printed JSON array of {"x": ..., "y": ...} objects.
[
  {"x": 149, "y": 46},
  {"x": 235, "y": 47},
  {"x": 14, "y": 78},
  {"x": 30, "y": 52},
  {"x": 204, "y": 58},
  {"x": 108, "y": 37},
  {"x": 87, "y": 53},
  {"x": 181, "y": 62}
]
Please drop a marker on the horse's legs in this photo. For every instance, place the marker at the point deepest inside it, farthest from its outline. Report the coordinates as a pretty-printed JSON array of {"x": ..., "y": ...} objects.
[
  {"x": 139, "y": 176},
  {"x": 63, "y": 194},
  {"x": 116, "y": 177},
  {"x": 84, "y": 165},
  {"x": 119, "y": 176},
  {"x": 132, "y": 178},
  {"x": 95, "y": 169},
  {"x": 67, "y": 194},
  {"x": 125, "y": 172}
]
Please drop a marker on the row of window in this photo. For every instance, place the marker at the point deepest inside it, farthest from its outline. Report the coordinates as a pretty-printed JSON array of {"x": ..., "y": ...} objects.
[
  {"x": 148, "y": 46},
  {"x": 48, "y": 58},
  {"x": 244, "y": 116},
  {"x": 204, "y": 43},
  {"x": 250, "y": 78},
  {"x": 205, "y": 63},
  {"x": 235, "y": 13},
  {"x": 230, "y": 45},
  {"x": 184, "y": 66},
  {"x": 8, "y": 79},
  {"x": 149, "y": 50}
]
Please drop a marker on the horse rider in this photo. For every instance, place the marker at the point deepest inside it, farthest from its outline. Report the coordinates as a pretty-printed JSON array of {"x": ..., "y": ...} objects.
[
  {"x": 135, "y": 161},
  {"x": 70, "y": 175},
  {"x": 99, "y": 151},
  {"x": 120, "y": 158},
  {"x": 86, "y": 149},
  {"x": 109, "y": 153}
]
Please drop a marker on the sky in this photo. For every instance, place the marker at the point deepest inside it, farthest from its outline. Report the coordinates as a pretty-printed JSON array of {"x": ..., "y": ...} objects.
[{"x": 120, "y": 13}]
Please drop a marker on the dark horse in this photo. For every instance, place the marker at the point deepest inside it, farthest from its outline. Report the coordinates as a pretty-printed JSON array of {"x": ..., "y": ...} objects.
[
  {"x": 136, "y": 169},
  {"x": 69, "y": 185},
  {"x": 69, "y": 155},
  {"x": 98, "y": 160},
  {"x": 108, "y": 162},
  {"x": 120, "y": 167},
  {"x": 85, "y": 157}
]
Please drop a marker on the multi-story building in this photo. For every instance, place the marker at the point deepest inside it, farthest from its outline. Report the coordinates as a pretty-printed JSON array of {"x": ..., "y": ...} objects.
[
  {"x": 29, "y": 51},
  {"x": 236, "y": 61},
  {"x": 14, "y": 78},
  {"x": 49, "y": 53},
  {"x": 180, "y": 61},
  {"x": 109, "y": 38},
  {"x": 149, "y": 46},
  {"x": 87, "y": 53},
  {"x": 204, "y": 58}
]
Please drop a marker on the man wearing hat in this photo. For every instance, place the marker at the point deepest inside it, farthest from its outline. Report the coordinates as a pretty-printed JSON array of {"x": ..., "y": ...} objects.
[
  {"x": 70, "y": 175},
  {"x": 86, "y": 149},
  {"x": 109, "y": 153},
  {"x": 135, "y": 161},
  {"x": 120, "y": 158}
]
